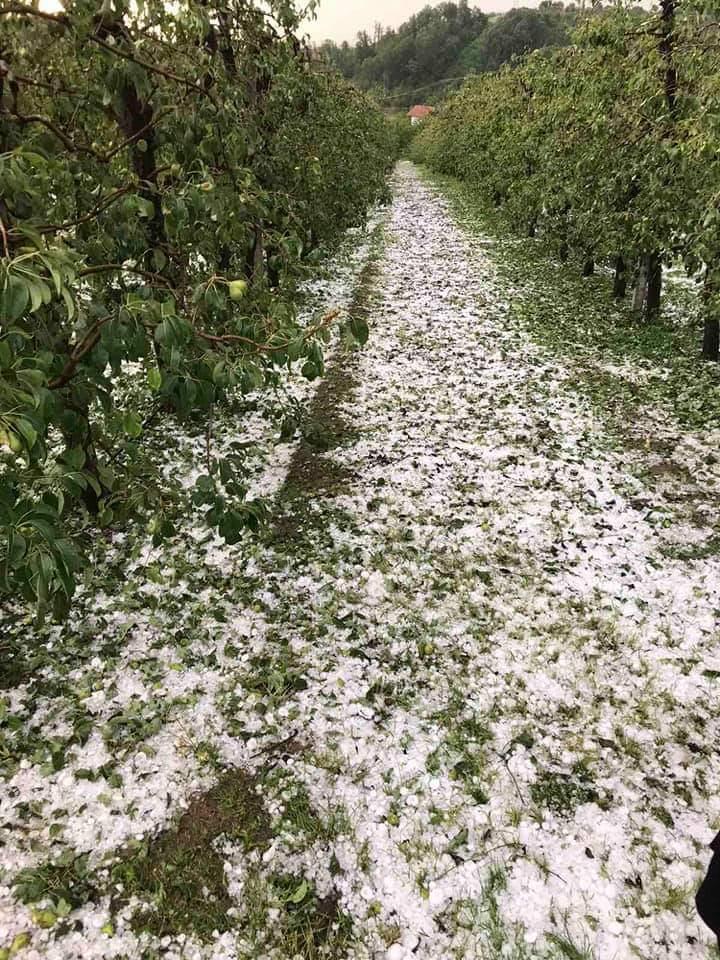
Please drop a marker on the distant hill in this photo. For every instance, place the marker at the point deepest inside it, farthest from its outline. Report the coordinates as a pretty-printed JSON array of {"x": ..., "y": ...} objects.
[{"x": 421, "y": 59}]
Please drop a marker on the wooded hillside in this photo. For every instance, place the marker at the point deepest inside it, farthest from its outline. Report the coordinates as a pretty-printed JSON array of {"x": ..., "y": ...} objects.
[{"x": 445, "y": 42}]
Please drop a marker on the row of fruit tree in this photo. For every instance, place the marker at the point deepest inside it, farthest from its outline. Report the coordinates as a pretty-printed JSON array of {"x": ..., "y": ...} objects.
[{"x": 168, "y": 175}]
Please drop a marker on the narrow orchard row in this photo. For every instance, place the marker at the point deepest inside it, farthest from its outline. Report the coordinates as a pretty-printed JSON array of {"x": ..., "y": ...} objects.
[
  {"x": 460, "y": 702},
  {"x": 522, "y": 677}
]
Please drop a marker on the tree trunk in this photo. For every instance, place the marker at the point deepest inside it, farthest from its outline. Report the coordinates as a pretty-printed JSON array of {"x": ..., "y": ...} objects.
[
  {"x": 532, "y": 228},
  {"x": 564, "y": 251},
  {"x": 711, "y": 332},
  {"x": 135, "y": 117},
  {"x": 255, "y": 259},
  {"x": 620, "y": 282},
  {"x": 711, "y": 338},
  {"x": 668, "y": 9},
  {"x": 641, "y": 286},
  {"x": 654, "y": 287},
  {"x": 588, "y": 267},
  {"x": 76, "y": 430}
]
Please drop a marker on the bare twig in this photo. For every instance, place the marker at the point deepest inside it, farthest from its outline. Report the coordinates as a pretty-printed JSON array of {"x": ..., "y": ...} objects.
[
  {"x": 230, "y": 338},
  {"x": 100, "y": 208},
  {"x": 67, "y": 141},
  {"x": 88, "y": 342},
  {"x": 3, "y": 234},
  {"x": 137, "y": 136},
  {"x": 150, "y": 67},
  {"x": 122, "y": 268},
  {"x": 274, "y": 747},
  {"x": 52, "y": 87},
  {"x": 22, "y": 9},
  {"x": 103, "y": 205}
]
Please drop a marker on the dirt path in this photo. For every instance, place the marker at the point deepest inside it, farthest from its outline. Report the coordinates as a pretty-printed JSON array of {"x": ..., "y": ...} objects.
[{"x": 460, "y": 702}]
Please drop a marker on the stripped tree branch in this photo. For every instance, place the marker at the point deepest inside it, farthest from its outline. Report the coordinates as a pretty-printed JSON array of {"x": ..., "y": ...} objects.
[{"x": 87, "y": 344}]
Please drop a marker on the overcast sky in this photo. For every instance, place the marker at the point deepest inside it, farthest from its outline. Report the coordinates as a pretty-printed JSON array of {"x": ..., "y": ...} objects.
[{"x": 341, "y": 19}]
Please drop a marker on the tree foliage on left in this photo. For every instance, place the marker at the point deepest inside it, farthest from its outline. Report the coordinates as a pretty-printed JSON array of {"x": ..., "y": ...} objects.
[{"x": 168, "y": 173}]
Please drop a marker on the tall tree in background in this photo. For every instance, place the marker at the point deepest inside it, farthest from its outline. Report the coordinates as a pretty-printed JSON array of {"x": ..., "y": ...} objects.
[{"x": 445, "y": 42}]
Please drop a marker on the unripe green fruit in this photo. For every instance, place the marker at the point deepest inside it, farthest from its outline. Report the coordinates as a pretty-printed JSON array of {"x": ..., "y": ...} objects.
[
  {"x": 44, "y": 918},
  {"x": 15, "y": 443},
  {"x": 237, "y": 289},
  {"x": 20, "y": 941}
]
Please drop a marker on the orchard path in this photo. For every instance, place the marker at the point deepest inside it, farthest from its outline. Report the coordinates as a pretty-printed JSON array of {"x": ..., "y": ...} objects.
[
  {"x": 520, "y": 675},
  {"x": 469, "y": 677}
]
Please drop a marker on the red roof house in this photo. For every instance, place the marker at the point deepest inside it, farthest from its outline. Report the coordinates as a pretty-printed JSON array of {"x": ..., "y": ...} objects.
[{"x": 418, "y": 113}]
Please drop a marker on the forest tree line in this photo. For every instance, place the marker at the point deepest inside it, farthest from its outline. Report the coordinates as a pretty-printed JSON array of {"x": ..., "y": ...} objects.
[{"x": 443, "y": 43}]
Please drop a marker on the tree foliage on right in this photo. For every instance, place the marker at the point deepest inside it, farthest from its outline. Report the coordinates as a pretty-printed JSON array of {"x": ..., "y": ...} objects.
[{"x": 606, "y": 147}]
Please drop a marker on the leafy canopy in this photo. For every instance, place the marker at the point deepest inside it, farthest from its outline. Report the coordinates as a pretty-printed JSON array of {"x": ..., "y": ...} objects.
[{"x": 168, "y": 173}]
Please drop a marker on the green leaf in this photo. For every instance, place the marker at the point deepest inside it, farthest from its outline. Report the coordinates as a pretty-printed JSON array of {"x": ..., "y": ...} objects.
[
  {"x": 159, "y": 259},
  {"x": 17, "y": 547},
  {"x": 106, "y": 475},
  {"x": 360, "y": 330},
  {"x": 132, "y": 424},
  {"x": 154, "y": 379},
  {"x": 32, "y": 377},
  {"x": 231, "y": 526},
  {"x": 92, "y": 482},
  {"x": 13, "y": 300},
  {"x": 63, "y": 908},
  {"x": 288, "y": 428},
  {"x": 299, "y": 895},
  {"x": 69, "y": 302},
  {"x": 28, "y": 432},
  {"x": 75, "y": 457},
  {"x": 218, "y": 374},
  {"x": 205, "y": 483},
  {"x": 36, "y": 298},
  {"x": 145, "y": 208}
]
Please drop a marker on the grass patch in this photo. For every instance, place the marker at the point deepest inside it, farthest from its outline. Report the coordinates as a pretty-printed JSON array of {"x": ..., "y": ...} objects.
[
  {"x": 561, "y": 792},
  {"x": 181, "y": 876},
  {"x": 302, "y": 820},
  {"x": 704, "y": 550},
  {"x": 567, "y": 949},
  {"x": 312, "y": 474},
  {"x": 63, "y": 880},
  {"x": 484, "y": 914},
  {"x": 463, "y": 752},
  {"x": 15, "y": 665},
  {"x": 577, "y": 319},
  {"x": 180, "y": 873},
  {"x": 310, "y": 927}
]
